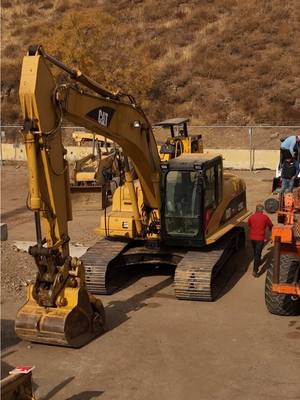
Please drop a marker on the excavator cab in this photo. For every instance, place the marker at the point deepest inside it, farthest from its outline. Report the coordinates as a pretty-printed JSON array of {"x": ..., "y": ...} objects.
[
  {"x": 192, "y": 189},
  {"x": 179, "y": 141}
]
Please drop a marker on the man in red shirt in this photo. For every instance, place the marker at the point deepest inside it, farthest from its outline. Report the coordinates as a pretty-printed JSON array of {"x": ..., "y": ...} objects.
[{"x": 258, "y": 223}]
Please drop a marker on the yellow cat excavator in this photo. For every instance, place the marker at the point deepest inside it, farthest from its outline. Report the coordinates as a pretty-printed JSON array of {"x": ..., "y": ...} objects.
[
  {"x": 183, "y": 212},
  {"x": 100, "y": 169},
  {"x": 179, "y": 141}
]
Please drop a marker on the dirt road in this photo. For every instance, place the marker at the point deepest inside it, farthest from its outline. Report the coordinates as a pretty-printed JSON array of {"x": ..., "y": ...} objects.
[{"x": 157, "y": 347}]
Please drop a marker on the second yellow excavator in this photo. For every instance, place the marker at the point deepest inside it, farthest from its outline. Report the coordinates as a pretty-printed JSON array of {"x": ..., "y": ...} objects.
[
  {"x": 101, "y": 169},
  {"x": 183, "y": 212},
  {"x": 179, "y": 141}
]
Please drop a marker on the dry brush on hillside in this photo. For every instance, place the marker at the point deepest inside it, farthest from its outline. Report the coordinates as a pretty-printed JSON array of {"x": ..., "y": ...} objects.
[{"x": 216, "y": 61}]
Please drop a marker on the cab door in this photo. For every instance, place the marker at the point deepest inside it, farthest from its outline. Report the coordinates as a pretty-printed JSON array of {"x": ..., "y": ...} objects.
[{"x": 213, "y": 189}]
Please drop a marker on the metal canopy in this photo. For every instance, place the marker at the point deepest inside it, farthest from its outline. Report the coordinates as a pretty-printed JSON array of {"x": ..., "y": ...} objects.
[
  {"x": 188, "y": 161},
  {"x": 172, "y": 122},
  {"x": 175, "y": 122}
]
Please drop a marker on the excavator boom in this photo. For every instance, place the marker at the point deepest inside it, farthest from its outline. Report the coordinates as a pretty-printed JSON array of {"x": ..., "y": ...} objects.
[
  {"x": 101, "y": 112},
  {"x": 59, "y": 309}
]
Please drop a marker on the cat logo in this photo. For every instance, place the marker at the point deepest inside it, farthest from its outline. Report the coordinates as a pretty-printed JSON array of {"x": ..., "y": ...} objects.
[{"x": 102, "y": 117}]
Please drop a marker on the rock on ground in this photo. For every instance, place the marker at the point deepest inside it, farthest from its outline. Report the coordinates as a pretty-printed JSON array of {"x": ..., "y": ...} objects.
[{"x": 17, "y": 270}]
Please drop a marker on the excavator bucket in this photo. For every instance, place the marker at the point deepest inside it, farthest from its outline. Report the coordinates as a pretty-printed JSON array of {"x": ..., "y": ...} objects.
[{"x": 77, "y": 319}]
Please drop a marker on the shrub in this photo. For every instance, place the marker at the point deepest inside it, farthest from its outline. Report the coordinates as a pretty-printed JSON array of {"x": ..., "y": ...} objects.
[
  {"x": 6, "y": 4},
  {"x": 11, "y": 51},
  {"x": 206, "y": 59},
  {"x": 47, "y": 5},
  {"x": 62, "y": 5},
  {"x": 156, "y": 50},
  {"x": 31, "y": 10}
]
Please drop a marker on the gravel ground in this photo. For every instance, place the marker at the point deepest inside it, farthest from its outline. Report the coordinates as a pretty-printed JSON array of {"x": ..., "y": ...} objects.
[
  {"x": 155, "y": 347},
  {"x": 17, "y": 270}
]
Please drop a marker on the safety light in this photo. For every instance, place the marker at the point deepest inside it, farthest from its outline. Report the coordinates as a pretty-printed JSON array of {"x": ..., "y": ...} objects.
[
  {"x": 136, "y": 124},
  {"x": 197, "y": 166},
  {"x": 164, "y": 166}
]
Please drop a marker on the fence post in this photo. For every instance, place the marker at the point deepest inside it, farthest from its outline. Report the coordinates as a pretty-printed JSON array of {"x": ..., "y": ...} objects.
[
  {"x": 1, "y": 141},
  {"x": 250, "y": 150}
]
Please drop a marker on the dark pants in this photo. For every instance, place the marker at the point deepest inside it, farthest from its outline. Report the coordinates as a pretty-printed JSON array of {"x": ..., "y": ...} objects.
[
  {"x": 257, "y": 250},
  {"x": 284, "y": 154}
]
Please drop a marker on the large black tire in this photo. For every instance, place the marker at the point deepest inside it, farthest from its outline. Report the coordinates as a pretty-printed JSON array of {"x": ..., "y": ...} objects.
[{"x": 282, "y": 304}]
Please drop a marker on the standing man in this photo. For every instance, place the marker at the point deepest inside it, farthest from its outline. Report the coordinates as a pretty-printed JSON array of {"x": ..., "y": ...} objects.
[
  {"x": 289, "y": 148},
  {"x": 289, "y": 172},
  {"x": 258, "y": 223}
]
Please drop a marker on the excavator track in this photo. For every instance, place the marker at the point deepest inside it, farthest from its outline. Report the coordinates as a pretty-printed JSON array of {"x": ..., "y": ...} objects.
[
  {"x": 103, "y": 267},
  {"x": 201, "y": 275}
]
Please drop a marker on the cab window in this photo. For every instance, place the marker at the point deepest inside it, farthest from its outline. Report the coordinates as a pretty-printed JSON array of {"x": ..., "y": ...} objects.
[
  {"x": 210, "y": 188},
  {"x": 213, "y": 185},
  {"x": 220, "y": 182}
]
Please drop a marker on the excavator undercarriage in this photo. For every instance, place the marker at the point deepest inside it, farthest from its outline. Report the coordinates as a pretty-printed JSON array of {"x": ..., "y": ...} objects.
[
  {"x": 198, "y": 231},
  {"x": 200, "y": 274}
]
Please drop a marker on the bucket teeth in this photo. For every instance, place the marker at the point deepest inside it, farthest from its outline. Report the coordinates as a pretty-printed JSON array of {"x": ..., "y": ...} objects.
[{"x": 72, "y": 325}]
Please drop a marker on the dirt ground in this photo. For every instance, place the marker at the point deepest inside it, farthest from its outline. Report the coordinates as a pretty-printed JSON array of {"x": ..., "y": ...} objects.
[{"x": 155, "y": 347}]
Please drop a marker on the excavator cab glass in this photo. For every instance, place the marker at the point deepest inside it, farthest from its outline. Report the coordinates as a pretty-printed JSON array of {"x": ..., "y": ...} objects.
[
  {"x": 192, "y": 189},
  {"x": 182, "y": 203}
]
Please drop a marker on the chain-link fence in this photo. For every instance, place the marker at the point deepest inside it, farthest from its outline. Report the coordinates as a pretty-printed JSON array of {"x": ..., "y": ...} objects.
[
  {"x": 216, "y": 137},
  {"x": 252, "y": 138},
  {"x": 238, "y": 137}
]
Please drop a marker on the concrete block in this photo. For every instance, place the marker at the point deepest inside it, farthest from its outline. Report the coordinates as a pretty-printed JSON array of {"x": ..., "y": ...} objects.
[{"x": 4, "y": 231}]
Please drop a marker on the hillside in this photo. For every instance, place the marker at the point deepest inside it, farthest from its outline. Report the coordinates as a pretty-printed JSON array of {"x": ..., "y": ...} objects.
[{"x": 216, "y": 61}]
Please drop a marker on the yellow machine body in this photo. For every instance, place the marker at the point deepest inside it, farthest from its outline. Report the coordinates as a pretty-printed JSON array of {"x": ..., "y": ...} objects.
[
  {"x": 202, "y": 199},
  {"x": 120, "y": 221},
  {"x": 179, "y": 142},
  {"x": 190, "y": 144},
  {"x": 97, "y": 168},
  {"x": 88, "y": 171},
  {"x": 232, "y": 187},
  {"x": 80, "y": 137},
  {"x": 59, "y": 309}
]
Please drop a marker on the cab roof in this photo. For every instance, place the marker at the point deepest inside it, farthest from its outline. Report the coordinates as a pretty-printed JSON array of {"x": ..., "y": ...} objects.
[
  {"x": 172, "y": 122},
  {"x": 188, "y": 160}
]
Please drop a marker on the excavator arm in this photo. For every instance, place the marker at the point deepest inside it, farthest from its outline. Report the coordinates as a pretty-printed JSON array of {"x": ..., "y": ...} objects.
[
  {"x": 45, "y": 103},
  {"x": 59, "y": 309}
]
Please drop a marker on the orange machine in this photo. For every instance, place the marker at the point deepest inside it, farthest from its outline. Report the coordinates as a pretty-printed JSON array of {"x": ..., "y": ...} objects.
[{"x": 282, "y": 288}]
